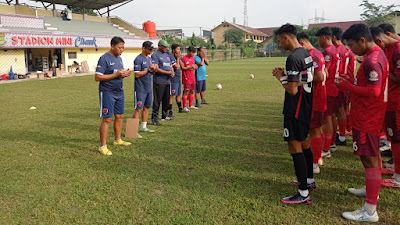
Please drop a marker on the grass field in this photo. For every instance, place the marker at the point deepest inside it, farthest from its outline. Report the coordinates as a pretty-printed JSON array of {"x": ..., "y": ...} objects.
[{"x": 225, "y": 163}]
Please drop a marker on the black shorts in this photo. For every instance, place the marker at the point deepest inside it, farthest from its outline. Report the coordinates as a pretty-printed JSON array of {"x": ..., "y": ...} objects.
[{"x": 295, "y": 129}]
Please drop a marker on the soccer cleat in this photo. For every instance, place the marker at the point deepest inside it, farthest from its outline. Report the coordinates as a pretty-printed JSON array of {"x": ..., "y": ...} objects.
[
  {"x": 122, "y": 143},
  {"x": 332, "y": 148},
  {"x": 390, "y": 182},
  {"x": 105, "y": 151},
  {"x": 388, "y": 164},
  {"x": 203, "y": 101},
  {"x": 166, "y": 118},
  {"x": 311, "y": 187},
  {"x": 316, "y": 170},
  {"x": 386, "y": 153},
  {"x": 197, "y": 105},
  {"x": 147, "y": 130},
  {"x": 361, "y": 215},
  {"x": 156, "y": 123},
  {"x": 349, "y": 133},
  {"x": 170, "y": 114},
  {"x": 139, "y": 136},
  {"x": 383, "y": 146},
  {"x": 361, "y": 192},
  {"x": 326, "y": 154},
  {"x": 340, "y": 143},
  {"x": 297, "y": 199},
  {"x": 387, "y": 171},
  {"x": 320, "y": 162},
  {"x": 193, "y": 107},
  {"x": 185, "y": 110}
]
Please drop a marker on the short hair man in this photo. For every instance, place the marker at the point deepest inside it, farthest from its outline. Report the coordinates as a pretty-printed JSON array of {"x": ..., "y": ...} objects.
[
  {"x": 391, "y": 47},
  {"x": 202, "y": 62},
  {"x": 110, "y": 73},
  {"x": 297, "y": 109},
  {"x": 332, "y": 66},
  {"x": 176, "y": 81},
  {"x": 389, "y": 31},
  {"x": 368, "y": 108},
  {"x": 188, "y": 79},
  {"x": 319, "y": 99},
  {"x": 162, "y": 82},
  {"x": 143, "y": 69}
]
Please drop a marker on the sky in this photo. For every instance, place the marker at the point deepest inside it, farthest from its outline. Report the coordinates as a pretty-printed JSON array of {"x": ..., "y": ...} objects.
[{"x": 207, "y": 14}]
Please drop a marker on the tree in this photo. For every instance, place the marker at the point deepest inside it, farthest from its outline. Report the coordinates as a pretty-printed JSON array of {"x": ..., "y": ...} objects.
[
  {"x": 377, "y": 14},
  {"x": 83, "y": 11},
  {"x": 310, "y": 33},
  {"x": 250, "y": 44},
  {"x": 234, "y": 36}
]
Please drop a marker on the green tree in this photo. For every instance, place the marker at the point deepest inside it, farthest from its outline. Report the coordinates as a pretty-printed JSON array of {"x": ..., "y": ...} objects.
[
  {"x": 250, "y": 44},
  {"x": 377, "y": 14},
  {"x": 234, "y": 36},
  {"x": 80, "y": 10}
]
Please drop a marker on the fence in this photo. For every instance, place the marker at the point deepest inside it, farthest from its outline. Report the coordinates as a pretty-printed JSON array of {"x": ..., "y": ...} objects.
[{"x": 219, "y": 54}]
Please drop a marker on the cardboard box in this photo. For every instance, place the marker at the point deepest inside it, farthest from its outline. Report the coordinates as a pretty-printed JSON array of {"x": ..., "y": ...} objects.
[{"x": 132, "y": 128}]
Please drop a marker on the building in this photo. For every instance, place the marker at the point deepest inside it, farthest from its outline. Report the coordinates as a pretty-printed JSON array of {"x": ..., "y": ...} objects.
[
  {"x": 29, "y": 37},
  {"x": 250, "y": 33}
]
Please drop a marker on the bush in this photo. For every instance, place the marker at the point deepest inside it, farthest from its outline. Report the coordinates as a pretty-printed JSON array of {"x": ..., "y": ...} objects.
[{"x": 247, "y": 52}]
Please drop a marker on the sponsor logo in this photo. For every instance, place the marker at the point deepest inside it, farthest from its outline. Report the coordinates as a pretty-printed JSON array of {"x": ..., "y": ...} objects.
[
  {"x": 373, "y": 76},
  {"x": 105, "y": 111},
  {"x": 293, "y": 72},
  {"x": 315, "y": 65},
  {"x": 308, "y": 60},
  {"x": 112, "y": 64},
  {"x": 82, "y": 41}
]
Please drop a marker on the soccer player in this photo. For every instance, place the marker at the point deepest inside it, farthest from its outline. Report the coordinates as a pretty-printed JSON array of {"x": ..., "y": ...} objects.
[
  {"x": 345, "y": 66},
  {"x": 161, "y": 82},
  {"x": 201, "y": 61},
  {"x": 332, "y": 66},
  {"x": 389, "y": 31},
  {"x": 110, "y": 73},
  {"x": 367, "y": 113},
  {"x": 297, "y": 109},
  {"x": 392, "y": 50},
  {"x": 176, "y": 81},
  {"x": 188, "y": 79},
  {"x": 319, "y": 100},
  {"x": 143, "y": 69}
]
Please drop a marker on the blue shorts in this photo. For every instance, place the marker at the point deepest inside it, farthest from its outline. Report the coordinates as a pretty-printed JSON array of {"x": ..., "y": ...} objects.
[
  {"x": 200, "y": 86},
  {"x": 176, "y": 89},
  {"x": 143, "y": 99},
  {"x": 111, "y": 104}
]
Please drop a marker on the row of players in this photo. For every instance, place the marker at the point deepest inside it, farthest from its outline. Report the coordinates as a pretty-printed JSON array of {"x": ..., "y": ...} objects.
[
  {"x": 161, "y": 74},
  {"x": 318, "y": 89}
]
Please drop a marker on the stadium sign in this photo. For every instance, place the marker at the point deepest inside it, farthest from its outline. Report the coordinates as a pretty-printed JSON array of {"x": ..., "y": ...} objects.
[{"x": 82, "y": 41}]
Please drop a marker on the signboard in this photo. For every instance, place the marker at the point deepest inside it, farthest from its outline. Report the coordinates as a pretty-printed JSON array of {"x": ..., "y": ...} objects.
[{"x": 23, "y": 40}]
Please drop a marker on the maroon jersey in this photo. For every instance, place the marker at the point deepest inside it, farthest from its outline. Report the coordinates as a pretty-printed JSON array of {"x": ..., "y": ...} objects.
[
  {"x": 393, "y": 56},
  {"x": 367, "y": 113},
  {"x": 332, "y": 60},
  {"x": 319, "y": 96}
]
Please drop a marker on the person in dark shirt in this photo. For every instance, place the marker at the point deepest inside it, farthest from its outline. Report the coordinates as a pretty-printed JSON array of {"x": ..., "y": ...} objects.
[
  {"x": 110, "y": 73},
  {"x": 297, "y": 110}
]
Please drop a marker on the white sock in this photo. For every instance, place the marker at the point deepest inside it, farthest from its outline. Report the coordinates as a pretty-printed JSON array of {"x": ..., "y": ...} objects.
[
  {"x": 310, "y": 180},
  {"x": 342, "y": 138},
  {"x": 371, "y": 209},
  {"x": 104, "y": 146},
  {"x": 143, "y": 125},
  {"x": 118, "y": 140},
  {"x": 396, "y": 177},
  {"x": 315, "y": 165},
  {"x": 303, "y": 193}
]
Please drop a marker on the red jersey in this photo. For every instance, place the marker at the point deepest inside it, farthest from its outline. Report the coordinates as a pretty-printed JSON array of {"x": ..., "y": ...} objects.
[
  {"x": 393, "y": 56},
  {"x": 367, "y": 113},
  {"x": 347, "y": 61},
  {"x": 319, "y": 95},
  {"x": 332, "y": 60},
  {"x": 188, "y": 75}
]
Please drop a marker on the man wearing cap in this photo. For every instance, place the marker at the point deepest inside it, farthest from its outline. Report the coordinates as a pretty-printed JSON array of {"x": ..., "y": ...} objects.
[
  {"x": 143, "y": 68},
  {"x": 161, "y": 82}
]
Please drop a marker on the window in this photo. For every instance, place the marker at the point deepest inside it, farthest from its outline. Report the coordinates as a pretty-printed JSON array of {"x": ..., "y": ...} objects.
[{"x": 72, "y": 55}]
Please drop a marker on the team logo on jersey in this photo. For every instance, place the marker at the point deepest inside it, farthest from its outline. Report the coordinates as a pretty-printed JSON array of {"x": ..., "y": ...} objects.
[
  {"x": 327, "y": 58},
  {"x": 105, "y": 111},
  {"x": 315, "y": 65},
  {"x": 373, "y": 76},
  {"x": 308, "y": 60}
]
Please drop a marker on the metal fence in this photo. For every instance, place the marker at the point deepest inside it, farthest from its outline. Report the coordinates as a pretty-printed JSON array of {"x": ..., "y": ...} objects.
[{"x": 219, "y": 54}]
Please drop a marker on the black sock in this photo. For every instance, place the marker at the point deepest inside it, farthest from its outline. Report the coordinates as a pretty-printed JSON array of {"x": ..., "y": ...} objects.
[
  {"x": 309, "y": 159},
  {"x": 300, "y": 167},
  {"x": 170, "y": 107},
  {"x": 179, "y": 105},
  {"x": 197, "y": 101}
]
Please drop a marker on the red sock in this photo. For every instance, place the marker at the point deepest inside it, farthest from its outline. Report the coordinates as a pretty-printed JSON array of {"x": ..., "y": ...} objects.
[
  {"x": 348, "y": 121},
  {"x": 396, "y": 157},
  {"x": 382, "y": 135},
  {"x": 316, "y": 145},
  {"x": 190, "y": 100},
  {"x": 328, "y": 139},
  {"x": 342, "y": 128},
  {"x": 184, "y": 100},
  {"x": 373, "y": 181}
]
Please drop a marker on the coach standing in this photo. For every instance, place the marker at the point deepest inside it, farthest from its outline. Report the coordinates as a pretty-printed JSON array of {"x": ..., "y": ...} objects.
[
  {"x": 161, "y": 82},
  {"x": 110, "y": 73}
]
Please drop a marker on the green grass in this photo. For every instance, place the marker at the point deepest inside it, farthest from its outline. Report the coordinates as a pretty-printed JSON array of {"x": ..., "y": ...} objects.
[{"x": 225, "y": 163}]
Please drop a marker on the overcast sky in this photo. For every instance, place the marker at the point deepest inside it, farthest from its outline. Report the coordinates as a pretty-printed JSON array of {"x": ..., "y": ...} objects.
[{"x": 191, "y": 15}]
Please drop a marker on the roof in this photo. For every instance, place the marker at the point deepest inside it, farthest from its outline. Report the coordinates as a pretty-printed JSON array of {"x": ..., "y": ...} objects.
[
  {"x": 248, "y": 30},
  {"x": 88, "y": 4},
  {"x": 343, "y": 25},
  {"x": 268, "y": 30}
]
